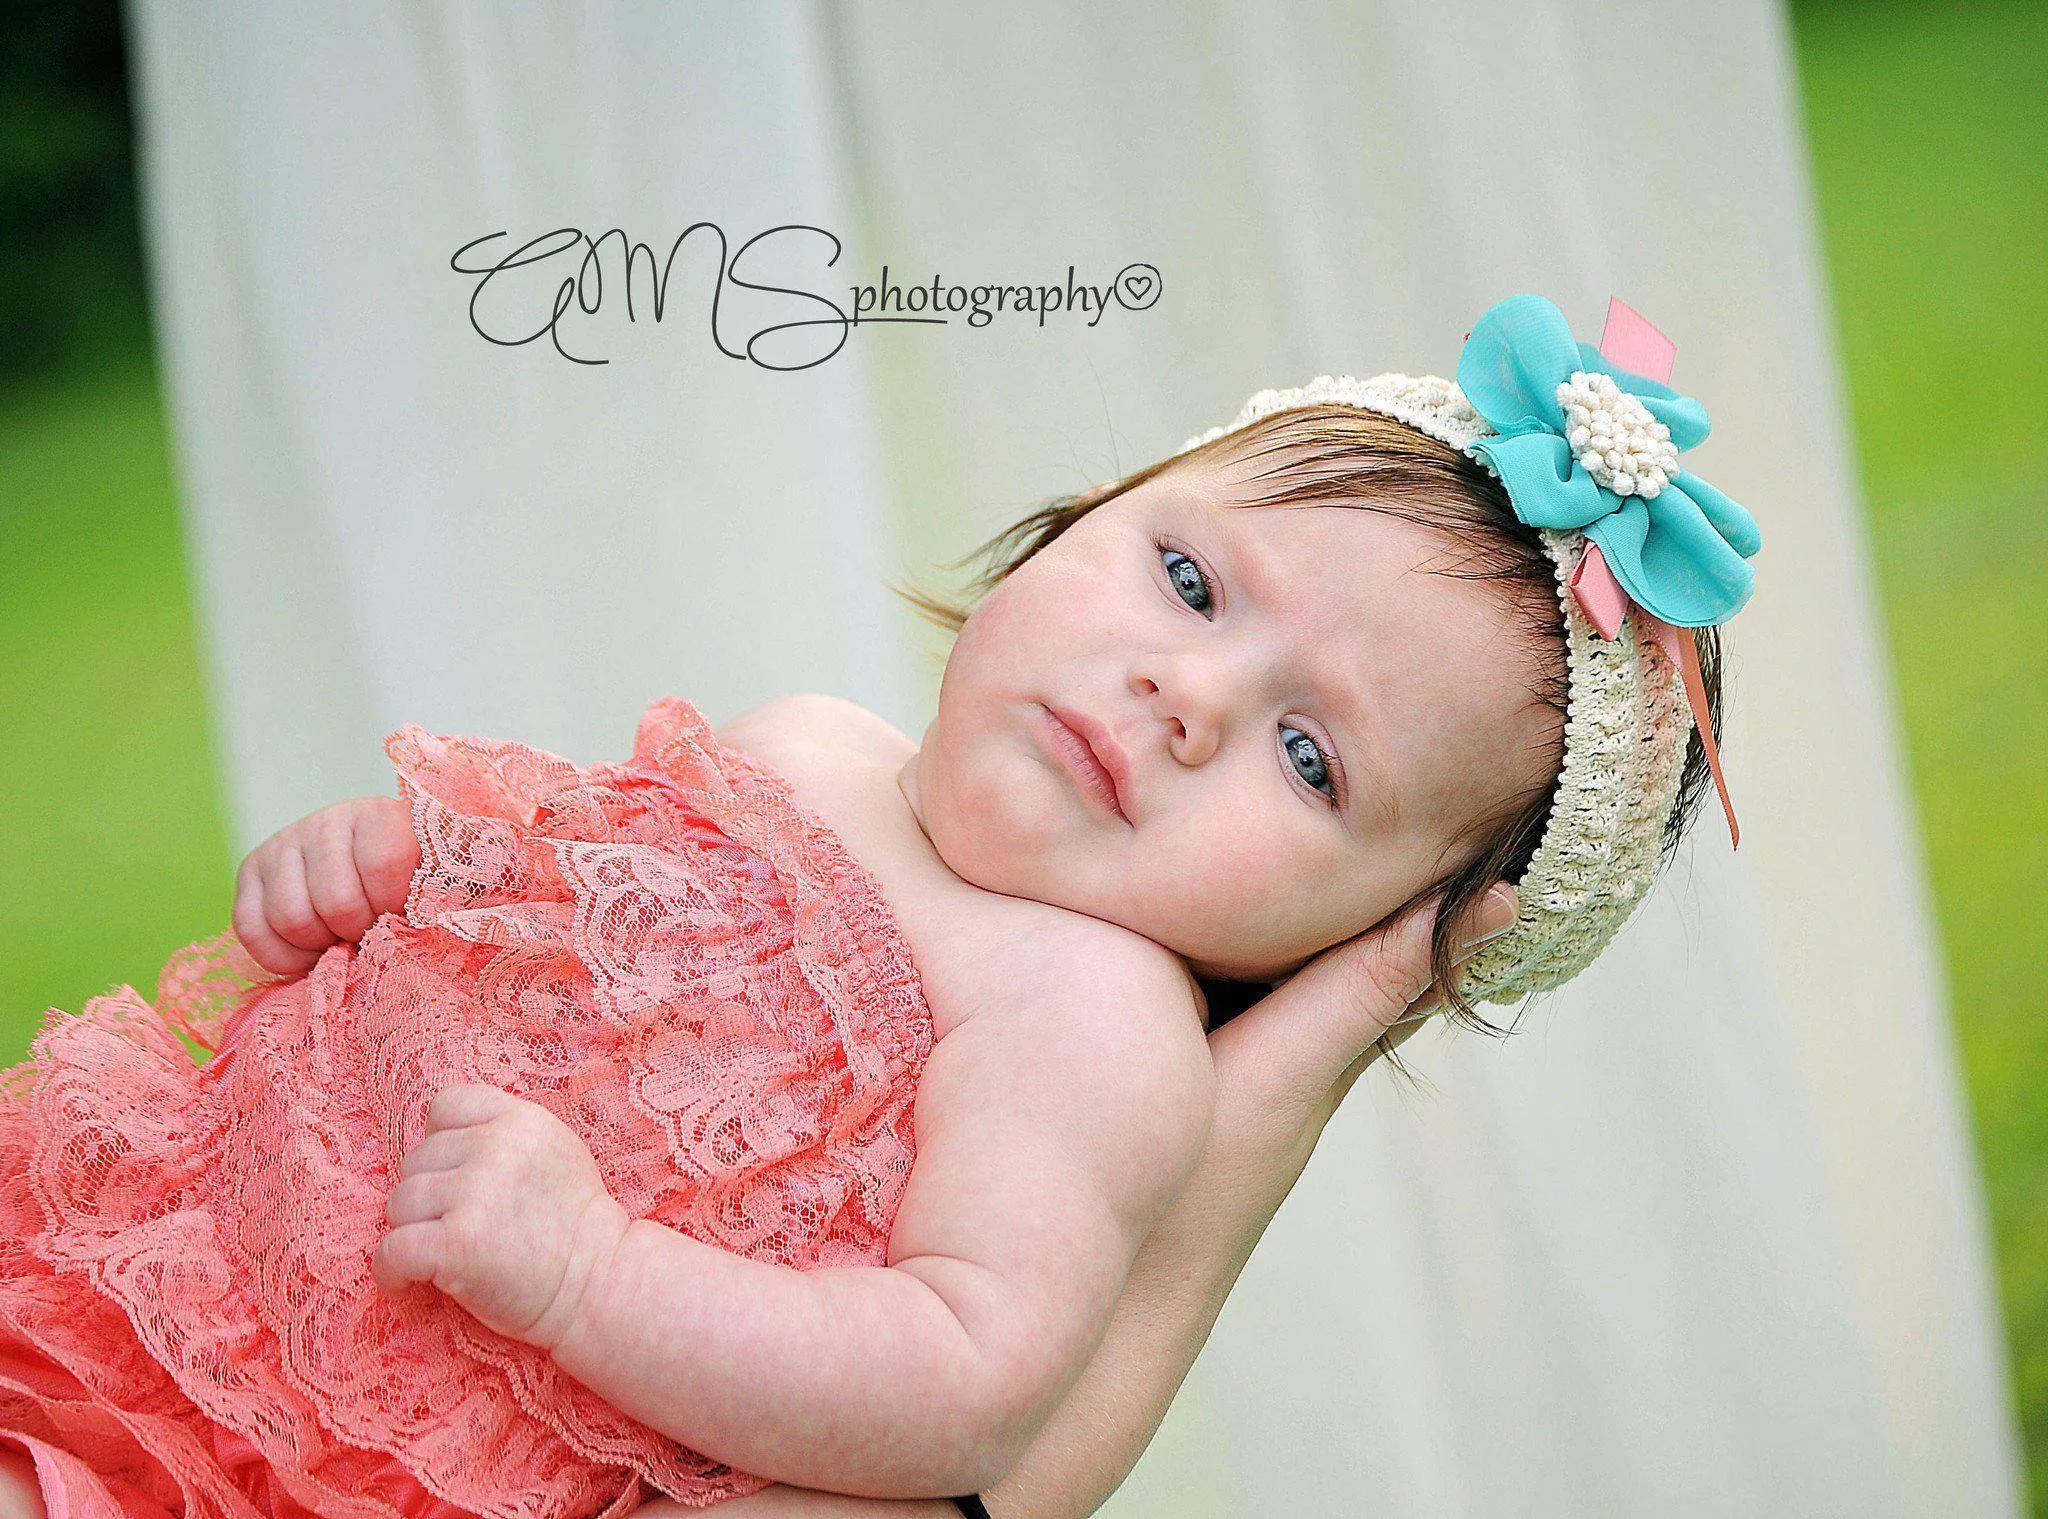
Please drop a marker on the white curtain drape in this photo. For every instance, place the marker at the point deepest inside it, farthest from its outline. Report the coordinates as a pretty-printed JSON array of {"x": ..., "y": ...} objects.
[{"x": 1705, "y": 1238}]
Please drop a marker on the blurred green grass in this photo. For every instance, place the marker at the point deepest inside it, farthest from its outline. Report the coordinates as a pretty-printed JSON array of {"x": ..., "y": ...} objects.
[
  {"x": 1929, "y": 129},
  {"x": 115, "y": 853}
]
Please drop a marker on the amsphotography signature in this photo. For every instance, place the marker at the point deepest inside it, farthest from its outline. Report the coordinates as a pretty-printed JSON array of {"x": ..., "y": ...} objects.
[{"x": 772, "y": 301}]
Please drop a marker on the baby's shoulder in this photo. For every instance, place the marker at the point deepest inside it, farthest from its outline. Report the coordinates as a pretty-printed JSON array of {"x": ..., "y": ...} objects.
[
  {"x": 1072, "y": 986},
  {"x": 1051, "y": 950},
  {"x": 1083, "y": 1041},
  {"x": 813, "y": 723}
]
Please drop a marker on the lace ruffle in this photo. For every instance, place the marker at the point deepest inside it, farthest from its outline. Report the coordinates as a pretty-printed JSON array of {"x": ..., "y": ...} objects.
[{"x": 669, "y": 953}]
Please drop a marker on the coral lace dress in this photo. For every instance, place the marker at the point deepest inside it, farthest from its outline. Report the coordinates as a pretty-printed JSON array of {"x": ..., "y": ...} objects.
[{"x": 669, "y": 953}]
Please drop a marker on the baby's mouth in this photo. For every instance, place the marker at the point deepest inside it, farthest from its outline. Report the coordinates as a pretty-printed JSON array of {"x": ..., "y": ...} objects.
[{"x": 1081, "y": 762}]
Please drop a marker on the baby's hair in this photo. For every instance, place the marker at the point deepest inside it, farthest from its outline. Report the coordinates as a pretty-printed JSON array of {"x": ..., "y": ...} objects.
[{"x": 1346, "y": 456}]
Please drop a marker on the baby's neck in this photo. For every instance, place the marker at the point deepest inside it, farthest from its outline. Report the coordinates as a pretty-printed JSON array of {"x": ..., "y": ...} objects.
[{"x": 906, "y": 785}]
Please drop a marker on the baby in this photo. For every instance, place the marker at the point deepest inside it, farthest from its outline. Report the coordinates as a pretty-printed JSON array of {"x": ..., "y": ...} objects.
[{"x": 1192, "y": 734}]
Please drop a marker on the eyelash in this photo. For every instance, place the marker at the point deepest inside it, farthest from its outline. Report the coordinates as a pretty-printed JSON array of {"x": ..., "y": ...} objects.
[{"x": 1335, "y": 797}]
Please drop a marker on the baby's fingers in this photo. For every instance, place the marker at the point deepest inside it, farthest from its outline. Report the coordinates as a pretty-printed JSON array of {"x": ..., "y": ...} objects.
[
  {"x": 332, "y": 882},
  {"x": 458, "y": 1107},
  {"x": 441, "y": 1150},
  {"x": 387, "y": 851},
  {"x": 408, "y": 1254},
  {"x": 419, "y": 1198},
  {"x": 288, "y": 905},
  {"x": 256, "y": 893}
]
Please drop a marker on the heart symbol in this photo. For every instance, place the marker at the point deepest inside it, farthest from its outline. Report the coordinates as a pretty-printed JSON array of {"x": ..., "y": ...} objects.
[{"x": 1137, "y": 286}]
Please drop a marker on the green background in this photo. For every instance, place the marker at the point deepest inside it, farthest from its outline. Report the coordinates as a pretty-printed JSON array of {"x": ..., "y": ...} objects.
[{"x": 1929, "y": 131}]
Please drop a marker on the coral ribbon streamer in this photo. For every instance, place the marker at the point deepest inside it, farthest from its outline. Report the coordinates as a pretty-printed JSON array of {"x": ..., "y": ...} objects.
[{"x": 1684, "y": 650}]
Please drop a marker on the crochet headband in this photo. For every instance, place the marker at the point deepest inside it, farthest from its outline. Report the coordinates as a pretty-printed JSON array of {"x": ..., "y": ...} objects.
[{"x": 1586, "y": 443}]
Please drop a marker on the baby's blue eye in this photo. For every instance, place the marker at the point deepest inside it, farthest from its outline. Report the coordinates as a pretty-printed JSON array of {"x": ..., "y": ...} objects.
[
  {"x": 1189, "y": 583},
  {"x": 1308, "y": 759}
]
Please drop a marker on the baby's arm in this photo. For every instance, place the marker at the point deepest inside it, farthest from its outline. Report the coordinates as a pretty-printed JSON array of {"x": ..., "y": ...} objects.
[{"x": 1048, "y": 1143}]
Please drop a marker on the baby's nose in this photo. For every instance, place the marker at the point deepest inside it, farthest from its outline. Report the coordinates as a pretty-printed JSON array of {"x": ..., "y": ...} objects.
[
  {"x": 1196, "y": 740},
  {"x": 1191, "y": 709}
]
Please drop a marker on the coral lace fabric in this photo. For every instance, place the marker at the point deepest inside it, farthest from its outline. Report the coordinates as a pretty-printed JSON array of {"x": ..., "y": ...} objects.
[{"x": 669, "y": 953}]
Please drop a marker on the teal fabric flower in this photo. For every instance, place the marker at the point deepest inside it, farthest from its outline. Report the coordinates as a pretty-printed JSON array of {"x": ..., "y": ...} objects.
[{"x": 1678, "y": 546}]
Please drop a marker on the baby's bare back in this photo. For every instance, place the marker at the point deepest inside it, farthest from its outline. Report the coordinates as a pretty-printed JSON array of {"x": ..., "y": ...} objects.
[{"x": 1068, "y": 1091}]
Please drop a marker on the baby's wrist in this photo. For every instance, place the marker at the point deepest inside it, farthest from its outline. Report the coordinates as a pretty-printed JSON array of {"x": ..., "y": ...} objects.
[{"x": 575, "y": 1316}]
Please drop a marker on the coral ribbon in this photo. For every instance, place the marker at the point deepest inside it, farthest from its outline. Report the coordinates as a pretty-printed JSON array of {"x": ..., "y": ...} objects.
[
  {"x": 1683, "y": 647},
  {"x": 1630, "y": 341}
]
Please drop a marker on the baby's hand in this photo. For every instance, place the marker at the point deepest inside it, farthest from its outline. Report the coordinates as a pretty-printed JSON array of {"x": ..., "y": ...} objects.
[
  {"x": 324, "y": 880},
  {"x": 500, "y": 1206}
]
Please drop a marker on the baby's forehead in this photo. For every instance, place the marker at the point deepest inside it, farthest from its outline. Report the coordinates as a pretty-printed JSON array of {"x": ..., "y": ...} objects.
[{"x": 1339, "y": 551}]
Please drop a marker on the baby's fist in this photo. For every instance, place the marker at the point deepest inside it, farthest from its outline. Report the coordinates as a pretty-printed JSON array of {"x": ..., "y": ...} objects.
[
  {"x": 502, "y": 1207},
  {"x": 323, "y": 881}
]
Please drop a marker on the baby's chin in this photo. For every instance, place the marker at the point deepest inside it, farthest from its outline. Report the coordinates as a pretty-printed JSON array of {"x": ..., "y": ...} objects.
[
  {"x": 1268, "y": 963},
  {"x": 1202, "y": 958},
  {"x": 1221, "y": 962},
  {"x": 973, "y": 857}
]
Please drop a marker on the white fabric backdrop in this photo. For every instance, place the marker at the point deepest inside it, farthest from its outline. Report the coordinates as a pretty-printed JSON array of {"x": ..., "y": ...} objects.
[{"x": 1706, "y": 1237}]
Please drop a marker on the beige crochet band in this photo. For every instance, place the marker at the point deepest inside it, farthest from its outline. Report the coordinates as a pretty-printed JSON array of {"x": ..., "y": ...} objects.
[{"x": 1624, "y": 739}]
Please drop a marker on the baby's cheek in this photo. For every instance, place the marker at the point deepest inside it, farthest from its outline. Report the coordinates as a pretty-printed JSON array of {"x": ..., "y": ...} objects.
[
  {"x": 1232, "y": 878},
  {"x": 1284, "y": 892},
  {"x": 998, "y": 823}
]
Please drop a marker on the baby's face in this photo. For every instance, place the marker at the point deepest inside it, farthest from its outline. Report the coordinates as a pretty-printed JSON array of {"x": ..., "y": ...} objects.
[{"x": 1308, "y": 727}]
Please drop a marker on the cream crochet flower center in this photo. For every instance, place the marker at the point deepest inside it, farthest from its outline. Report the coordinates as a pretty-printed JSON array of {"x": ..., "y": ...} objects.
[{"x": 1612, "y": 434}]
